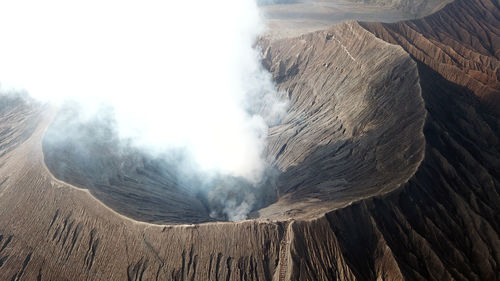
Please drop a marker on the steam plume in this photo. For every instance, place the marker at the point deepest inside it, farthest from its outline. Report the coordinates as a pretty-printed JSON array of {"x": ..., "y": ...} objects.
[{"x": 178, "y": 74}]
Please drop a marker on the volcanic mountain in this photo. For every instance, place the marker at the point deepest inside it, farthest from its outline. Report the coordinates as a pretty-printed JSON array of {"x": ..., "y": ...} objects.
[{"x": 386, "y": 167}]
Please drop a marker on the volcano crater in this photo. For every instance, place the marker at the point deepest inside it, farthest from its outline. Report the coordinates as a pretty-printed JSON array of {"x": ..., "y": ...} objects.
[{"x": 353, "y": 130}]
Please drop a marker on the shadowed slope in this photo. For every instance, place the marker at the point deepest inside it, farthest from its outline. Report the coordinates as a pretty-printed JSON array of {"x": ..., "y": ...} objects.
[
  {"x": 90, "y": 155},
  {"x": 460, "y": 42},
  {"x": 440, "y": 224},
  {"x": 17, "y": 121},
  {"x": 444, "y": 223},
  {"x": 151, "y": 188}
]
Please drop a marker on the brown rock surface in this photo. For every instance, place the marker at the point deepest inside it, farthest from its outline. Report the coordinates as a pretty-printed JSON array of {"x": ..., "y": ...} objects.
[
  {"x": 354, "y": 128},
  {"x": 461, "y": 43},
  {"x": 290, "y": 18},
  {"x": 390, "y": 171}
]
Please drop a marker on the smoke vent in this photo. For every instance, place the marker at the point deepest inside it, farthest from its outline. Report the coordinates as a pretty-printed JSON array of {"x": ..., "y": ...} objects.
[
  {"x": 146, "y": 187},
  {"x": 353, "y": 130}
]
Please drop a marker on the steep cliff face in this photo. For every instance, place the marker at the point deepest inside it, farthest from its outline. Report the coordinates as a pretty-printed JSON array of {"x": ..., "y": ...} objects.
[
  {"x": 390, "y": 161},
  {"x": 442, "y": 225},
  {"x": 354, "y": 127}
]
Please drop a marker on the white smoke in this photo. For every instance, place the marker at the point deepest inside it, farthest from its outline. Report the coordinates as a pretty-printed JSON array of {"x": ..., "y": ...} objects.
[{"x": 179, "y": 74}]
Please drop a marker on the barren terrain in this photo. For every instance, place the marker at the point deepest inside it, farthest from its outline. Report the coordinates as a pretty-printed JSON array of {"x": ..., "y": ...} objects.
[
  {"x": 292, "y": 18},
  {"x": 388, "y": 160}
]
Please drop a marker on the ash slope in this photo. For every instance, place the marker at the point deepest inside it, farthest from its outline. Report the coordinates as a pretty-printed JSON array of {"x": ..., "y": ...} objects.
[
  {"x": 166, "y": 189},
  {"x": 53, "y": 230},
  {"x": 416, "y": 8},
  {"x": 89, "y": 155},
  {"x": 290, "y": 18},
  {"x": 461, "y": 43},
  {"x": 443, "y": 224},
  {"x": 354, "y": 127}
]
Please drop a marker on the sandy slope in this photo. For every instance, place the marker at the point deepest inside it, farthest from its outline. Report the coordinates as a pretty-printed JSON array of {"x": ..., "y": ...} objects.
[{"x": 356, "y": 100}]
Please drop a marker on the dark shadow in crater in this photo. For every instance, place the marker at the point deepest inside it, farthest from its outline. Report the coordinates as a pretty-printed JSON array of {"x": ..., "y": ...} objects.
[{"x": 151, "y": 188}]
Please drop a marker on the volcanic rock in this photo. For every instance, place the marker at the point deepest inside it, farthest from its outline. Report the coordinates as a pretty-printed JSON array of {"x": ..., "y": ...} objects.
[{"x": 389, "y": 169}]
